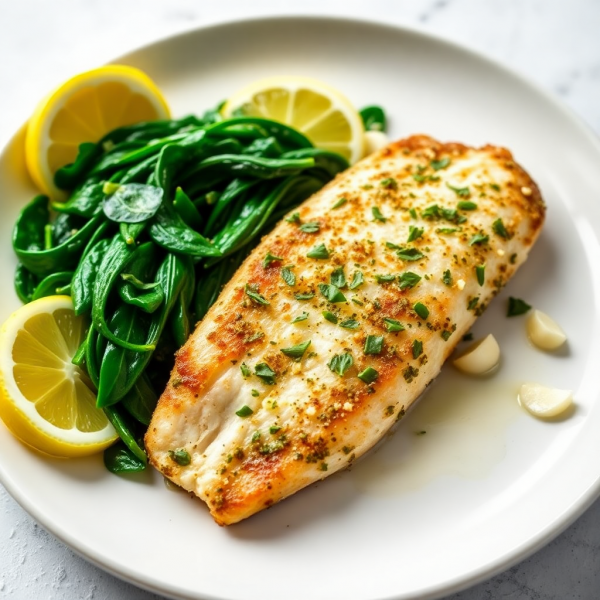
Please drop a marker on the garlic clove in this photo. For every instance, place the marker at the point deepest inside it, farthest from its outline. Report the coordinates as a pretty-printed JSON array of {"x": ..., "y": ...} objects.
[
  {"x": 375, "y": 140},
  {"x": 544, "y": 332},
  {"x": 479, "y": 358},
  {"x": 543, "y": 401}
]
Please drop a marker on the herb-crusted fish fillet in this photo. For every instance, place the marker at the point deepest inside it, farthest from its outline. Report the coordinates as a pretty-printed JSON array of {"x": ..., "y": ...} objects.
[{"x": 339, "y": 319}]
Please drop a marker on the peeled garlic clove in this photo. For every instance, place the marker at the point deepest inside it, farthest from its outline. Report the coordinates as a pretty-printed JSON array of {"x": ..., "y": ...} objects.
[
  {"x": 544, "y": 332},
  {"x": 375, "y": 140},
  {"x": 480, "y": 357},
  {"x": 543, "y": 401}
]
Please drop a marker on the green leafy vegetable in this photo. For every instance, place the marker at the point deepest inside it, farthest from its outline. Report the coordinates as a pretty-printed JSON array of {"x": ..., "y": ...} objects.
[{"x": 133, "y": 203}]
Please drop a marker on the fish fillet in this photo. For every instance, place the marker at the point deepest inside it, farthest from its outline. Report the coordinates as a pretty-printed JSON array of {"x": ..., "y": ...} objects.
[{"x": 382, "y": 271}]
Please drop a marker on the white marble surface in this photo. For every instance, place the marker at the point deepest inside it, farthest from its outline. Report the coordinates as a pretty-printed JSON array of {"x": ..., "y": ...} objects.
[{"x": 552, "y": 42}]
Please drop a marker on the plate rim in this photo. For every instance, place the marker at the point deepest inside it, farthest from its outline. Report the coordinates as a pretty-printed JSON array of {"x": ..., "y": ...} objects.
[{"x": 460, "y": 582}]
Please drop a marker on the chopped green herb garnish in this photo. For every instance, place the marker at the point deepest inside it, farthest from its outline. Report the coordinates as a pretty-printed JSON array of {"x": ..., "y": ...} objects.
[
  {"x": 480, "y": 271},
  {"x": 390, "y": 183},
  {"x": 319, "y": 251},
  {"x": 302, "y": 317},
  {"x": 513, "y": 259},
  {"x": 296, "y": 352},
  {"x": 338, "y": 278},
  {"x": 377, "y": 214},
  {"x": 479, "y": 238},
  {"x": 373, "y": 344},
  {"x": 332, "y": 293},
  {"x": 339, "y": 203},
  {"x": 409, "y": 254},
  {"x": 307, "y": 296},
  {"x": 446, "y": 335},
  {"x": 421, "y": 310},
  {"x": 252, "y": 292},
  {"x": 418, "y": 177},
  {"x": 340, "y": 363},
  {"x": 274, "y": 429},
  {"x": 410, "y": 373},
  {"x": 245, "y": 370},
  {"x": 385, "y": 278},
  {"x": 462, "y": 192},
  {"x": 447, "y": 230},
  {"x": 408, "y": 280},
  {"x": 499, "y": 229},
  {"x": 436, "y": 165},
  {"x": 329, "y": 316},
  {"x": 447, "y": 278},
  {"x": 288, "y": 276},
  {"x": 417, "y": 348},
  {"x": 431, "y": 212},
  {"x": 412, "y": 212},
  {"x": 356, "y": 301},
  {"x": 244, "y": 412},
  {"x": 310, "y": 227},
  {"x": 517, "y": 307},
  {"x": 264, "y": 371},
  {"x": 357, "y": 280},
  {"x": 392, "y": 325},
  {"x": 448, "y": 214},
  {"x": 391, "y": 246},
  {"x": 256, "y": 436},
  {"x": 495, "y": 187},
  {"x": 350, "y": 324},
  {"x": 180, "y": 456},
  {"x": 414, "y": 233},
  {"x": 269, "y": 258},
  {"x": 369, "y": 375},
  {"x": 465, "y": 205},
  {"x": 293, "y": 218},
  {"x": 473, "y": 302}
]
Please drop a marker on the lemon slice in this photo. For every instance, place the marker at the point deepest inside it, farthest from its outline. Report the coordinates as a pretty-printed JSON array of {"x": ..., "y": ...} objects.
[
  {"x": 324, "y": 115},
  {"x": 84, "y": 109},
  {"x": 45, "y": 400}
]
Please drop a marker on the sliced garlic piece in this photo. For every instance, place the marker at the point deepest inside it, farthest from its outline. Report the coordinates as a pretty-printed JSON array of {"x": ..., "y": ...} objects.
[
  {"x": 544, "y": 332},
  {"x": 480, "y": 357},
  {"x": 543, "y": 401},
  {"x": 375, "y": 140}
]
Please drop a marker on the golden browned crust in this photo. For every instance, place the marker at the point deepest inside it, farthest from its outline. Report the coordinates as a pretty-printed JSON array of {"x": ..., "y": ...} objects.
[{"x": 234, "y": 329}]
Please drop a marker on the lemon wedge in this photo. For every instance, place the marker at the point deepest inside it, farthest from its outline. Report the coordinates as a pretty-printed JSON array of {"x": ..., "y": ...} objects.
[
  {"x": 324, "y": 115},
  {"x": 84, "y": 109},
  {"x": 45, "y": 400}
]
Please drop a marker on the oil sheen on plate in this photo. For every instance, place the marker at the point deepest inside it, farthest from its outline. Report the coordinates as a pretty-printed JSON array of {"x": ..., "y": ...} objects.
[{"x": 457, "y": 429}]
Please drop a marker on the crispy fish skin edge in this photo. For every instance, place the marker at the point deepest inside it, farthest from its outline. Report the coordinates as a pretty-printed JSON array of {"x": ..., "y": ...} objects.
[{"x": 265, "y": 480}]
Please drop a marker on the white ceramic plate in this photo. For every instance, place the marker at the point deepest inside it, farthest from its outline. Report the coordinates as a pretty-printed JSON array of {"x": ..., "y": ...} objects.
[{"x": 426, "y": 514}]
